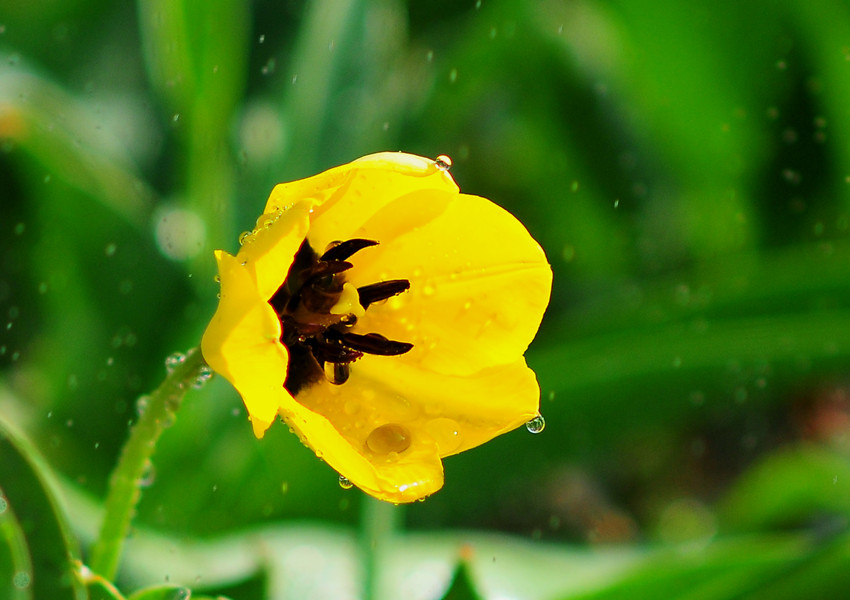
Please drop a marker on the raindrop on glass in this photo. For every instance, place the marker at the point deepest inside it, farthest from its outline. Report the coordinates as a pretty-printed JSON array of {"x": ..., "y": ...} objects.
[
  {"x": 443, "y": 162},
  {"x": 536, "y": 425},
  {"x": 344, "y": 483},
  {"x": 174, "y": 361}
]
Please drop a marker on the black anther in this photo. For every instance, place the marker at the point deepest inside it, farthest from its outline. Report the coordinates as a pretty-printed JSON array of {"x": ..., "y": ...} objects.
[
  {"x": 345, "y": 249},
  {"x": 374, "y": 343},
  {"x": 376, "y": 292}
]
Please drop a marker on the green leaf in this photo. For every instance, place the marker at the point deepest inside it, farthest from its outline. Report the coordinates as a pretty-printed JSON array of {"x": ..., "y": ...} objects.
[
  {"x": 461, "y": 586},
  {"x": 101, "y": 589},
  {"x": 28, "y": 494},
  {"x": 169, "y": 592},
  {"x": 787, "y": 488},
  {"x": 79, "y": 151},
  {"x": 162, "y": 592}
]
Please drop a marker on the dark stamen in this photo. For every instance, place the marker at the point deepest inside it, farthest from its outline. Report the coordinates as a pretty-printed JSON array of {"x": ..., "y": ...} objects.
[
  {"x": 333, "y": 352},
  {"x": 319, "y": 343},
  {"x": 345, "y": 249},
  {"x": 374, "y": 343},
  {"x": 322, "y": 268},
  {"x": 376, "y": 292}
]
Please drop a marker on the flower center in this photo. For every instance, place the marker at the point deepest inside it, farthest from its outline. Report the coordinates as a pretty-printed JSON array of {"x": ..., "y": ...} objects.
[{"x": 317, "y": 309}]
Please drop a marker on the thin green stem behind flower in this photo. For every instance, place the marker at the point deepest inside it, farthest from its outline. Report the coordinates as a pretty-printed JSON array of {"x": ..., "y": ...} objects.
[{"x": 129, "y": 475}]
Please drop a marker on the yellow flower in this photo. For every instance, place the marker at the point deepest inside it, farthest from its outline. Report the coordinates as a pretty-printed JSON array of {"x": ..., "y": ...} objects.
[{"x": 384, "y": 316}]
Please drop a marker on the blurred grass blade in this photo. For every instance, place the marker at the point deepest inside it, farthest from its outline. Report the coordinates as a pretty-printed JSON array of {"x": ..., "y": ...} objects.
[
  {"x": 197, "y": 55},
  {"x": 67, "y": 141},
  {"x": 24, "y": 479},
  {"x": 461, "y": 586},
  {"x": 101, "y": 589},
  {"x": 679, "y": 365},
  {"x": 162, "y": 592},
  {"x": 320, "y": 49},
  {"x": 14, "y": 555},
  {"x": 724, "y": 570},
  {"x": 824, "y": 576},
  {"x": 786, "y": 488}
]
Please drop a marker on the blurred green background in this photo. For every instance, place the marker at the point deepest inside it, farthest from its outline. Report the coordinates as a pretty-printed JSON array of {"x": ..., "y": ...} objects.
[{"x": 685, "y": 165}]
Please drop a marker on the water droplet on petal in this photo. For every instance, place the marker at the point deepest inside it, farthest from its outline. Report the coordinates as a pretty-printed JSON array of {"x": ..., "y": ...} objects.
[
  {"x": 337, "y": 373},
  {"x": 245, "y": 237},
  {"x": 388, "y": 438},
  {"x": 443, "y": 162},
  {"x": 536, "y": 425},
  {"x": 344, "y": 483},
  {"x": 174, "y": 361},
  {"x": 446, "y": 432}
]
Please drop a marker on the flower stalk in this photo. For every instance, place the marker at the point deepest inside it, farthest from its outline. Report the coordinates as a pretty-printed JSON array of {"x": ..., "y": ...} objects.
[{"x": 131, "y": 472}]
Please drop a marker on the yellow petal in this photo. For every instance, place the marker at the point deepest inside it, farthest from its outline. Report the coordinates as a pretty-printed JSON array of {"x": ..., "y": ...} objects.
[
  {"x": 269, "y": 250},
  {"x": 325, "y": 420},
  {"x": 347, "y": 196},
  {"x": 479, "y": 283},
  {"x": 242, "y": 344},
  {"x": 479, "y": 286},
  {"x": 386, "y": 428}
]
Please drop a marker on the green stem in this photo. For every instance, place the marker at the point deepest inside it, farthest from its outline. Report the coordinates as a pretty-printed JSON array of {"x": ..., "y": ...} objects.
[
  {"x": 129, "y": 475},
  {"x": 378, "y": 523}
]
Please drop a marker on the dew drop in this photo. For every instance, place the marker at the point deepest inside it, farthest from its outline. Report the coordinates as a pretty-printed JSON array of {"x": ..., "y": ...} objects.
[
  {"x": 536, "y": 425},
  {"x": 217, "y": 278},
  {"x": 388, "y": 438},
  {"x": 148, "y": 475},
  {"x": 337, "y": 373},
  {"x": 443, "y": 162},
  {"x": 269, "y": 67},
  {"x": 205, "y": 372},
  {"x": 245, "y": 237},
  {"x": 110, "y": 249},
  {"x": 174, "y": 360},
  {"x": 344, "y": 483},
  {"x": 142, "y": 404},
  {"x": 21, "y": 580},
  {"x": 3, "y": 505}
]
